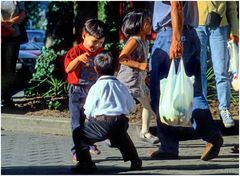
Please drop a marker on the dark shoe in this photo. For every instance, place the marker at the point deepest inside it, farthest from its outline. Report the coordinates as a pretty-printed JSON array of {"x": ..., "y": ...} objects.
[
  {"x": 136, "y": 164},
  {"x": 163, "y": 155},
  {"x": 212, "y": 148},
  {"x": 84, "y": 167}
]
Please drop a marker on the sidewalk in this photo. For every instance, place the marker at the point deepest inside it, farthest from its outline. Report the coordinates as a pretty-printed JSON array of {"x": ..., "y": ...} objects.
[{"x": 40, "y": 145}]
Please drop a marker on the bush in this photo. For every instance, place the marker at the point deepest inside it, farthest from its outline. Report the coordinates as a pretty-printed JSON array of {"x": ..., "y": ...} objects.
[{"x": 45, "y": 82}]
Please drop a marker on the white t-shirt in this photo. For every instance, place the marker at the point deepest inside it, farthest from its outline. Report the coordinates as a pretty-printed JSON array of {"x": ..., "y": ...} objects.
[{"x": 108, "y": 96}]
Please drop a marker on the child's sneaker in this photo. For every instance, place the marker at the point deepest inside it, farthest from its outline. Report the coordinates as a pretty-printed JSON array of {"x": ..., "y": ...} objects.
[
  {"x": 94, "y": 150},
  {"x": 148, "y": 137}
]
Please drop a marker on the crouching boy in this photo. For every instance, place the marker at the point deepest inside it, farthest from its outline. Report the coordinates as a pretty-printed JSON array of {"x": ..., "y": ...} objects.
[{"x": 107, "y": 104}]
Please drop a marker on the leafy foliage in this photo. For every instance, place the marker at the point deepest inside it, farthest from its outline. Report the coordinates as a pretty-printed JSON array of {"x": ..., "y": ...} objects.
[
  {"x": 101, "y": 11},
  {"x": 45, "y": 82}
]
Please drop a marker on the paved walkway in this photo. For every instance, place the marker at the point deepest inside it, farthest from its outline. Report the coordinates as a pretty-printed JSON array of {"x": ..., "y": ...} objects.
[{"x": 30, "y": 151}]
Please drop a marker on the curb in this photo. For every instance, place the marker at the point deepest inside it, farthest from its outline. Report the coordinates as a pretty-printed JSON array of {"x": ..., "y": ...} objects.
[
  {"x": 37, "y": 124},
  {"x": 61, "y": 126},
  {"x": 45, "y": 125}
]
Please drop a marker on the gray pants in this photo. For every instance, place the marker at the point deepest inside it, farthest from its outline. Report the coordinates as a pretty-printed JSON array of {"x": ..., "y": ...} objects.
[{"x": 101, "y": 128}]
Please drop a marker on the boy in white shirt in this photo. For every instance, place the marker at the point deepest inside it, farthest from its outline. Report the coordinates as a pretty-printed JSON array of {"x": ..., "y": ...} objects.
[{"x": 107, "y": 104}]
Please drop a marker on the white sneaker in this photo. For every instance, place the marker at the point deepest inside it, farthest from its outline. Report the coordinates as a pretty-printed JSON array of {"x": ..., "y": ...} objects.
[
  {"x": 147, "y": 137},
  {"x": 226, "y": 118}
]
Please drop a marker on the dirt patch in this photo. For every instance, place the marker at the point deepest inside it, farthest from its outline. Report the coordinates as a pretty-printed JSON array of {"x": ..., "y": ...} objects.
[{"x": 39, "y": 109}]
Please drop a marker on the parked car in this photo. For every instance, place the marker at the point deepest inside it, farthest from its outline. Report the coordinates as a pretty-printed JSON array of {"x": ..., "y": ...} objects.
[{"x": 30, "y": 51}]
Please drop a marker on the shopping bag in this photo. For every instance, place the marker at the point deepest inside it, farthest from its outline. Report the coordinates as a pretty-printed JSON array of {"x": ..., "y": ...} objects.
[
  {"x": 234, "y": 64},
  {"x": 176, "y": 97}
]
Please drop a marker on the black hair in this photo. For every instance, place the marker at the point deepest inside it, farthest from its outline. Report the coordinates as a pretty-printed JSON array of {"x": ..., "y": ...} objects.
[
  {"x": 95, "y": 28},
  {"x": 133, "y": 21},
  {"x": 105, "y": 64}
]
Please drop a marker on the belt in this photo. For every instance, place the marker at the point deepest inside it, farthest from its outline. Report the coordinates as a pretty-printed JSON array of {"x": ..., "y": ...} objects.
[
  {"x": 188, "y": 27},
  {"x": 109, "y": 118}
]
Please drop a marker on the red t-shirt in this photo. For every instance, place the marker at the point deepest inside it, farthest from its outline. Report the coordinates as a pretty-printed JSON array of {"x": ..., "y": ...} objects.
[{"x": 82, "y": 70}]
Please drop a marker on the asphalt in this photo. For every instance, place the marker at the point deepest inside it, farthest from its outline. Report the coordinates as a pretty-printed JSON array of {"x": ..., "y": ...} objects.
[{"x": 32, "y": 145}]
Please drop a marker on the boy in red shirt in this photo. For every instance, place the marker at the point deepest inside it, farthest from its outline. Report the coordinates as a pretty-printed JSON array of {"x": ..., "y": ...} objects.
[{"x": 79, "y": 66}]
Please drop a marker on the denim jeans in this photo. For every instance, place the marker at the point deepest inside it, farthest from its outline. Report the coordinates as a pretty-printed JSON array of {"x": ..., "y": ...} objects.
[
  {"x": 77, "y": 97},
  {"x": 216, "y": 39},
  {"x": 159, "y": 66}
]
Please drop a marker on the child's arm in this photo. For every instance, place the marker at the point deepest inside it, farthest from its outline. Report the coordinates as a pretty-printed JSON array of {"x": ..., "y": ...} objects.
[
  {"x": 75, "y": 62},
  {"x": 125, "y": 59}
]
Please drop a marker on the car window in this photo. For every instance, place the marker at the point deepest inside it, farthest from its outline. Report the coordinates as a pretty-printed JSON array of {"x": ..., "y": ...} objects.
[
  {"x": 35, "y": 40},
  {"x": 36, "y": 37}
]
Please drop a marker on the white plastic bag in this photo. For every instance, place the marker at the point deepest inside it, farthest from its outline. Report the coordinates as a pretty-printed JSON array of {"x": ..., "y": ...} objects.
[
  {"x": 175, "y": 107},
  {"x": 234, "y": 64}
]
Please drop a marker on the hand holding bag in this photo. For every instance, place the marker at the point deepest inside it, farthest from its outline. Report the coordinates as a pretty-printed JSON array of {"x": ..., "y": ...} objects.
[{"x": 175, "y": 107}]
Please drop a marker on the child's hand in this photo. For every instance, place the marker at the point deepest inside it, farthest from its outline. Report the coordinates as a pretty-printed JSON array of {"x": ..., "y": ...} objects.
[
  {"x": 143, "y": 66},
  {"x": 84, "y": 57}
]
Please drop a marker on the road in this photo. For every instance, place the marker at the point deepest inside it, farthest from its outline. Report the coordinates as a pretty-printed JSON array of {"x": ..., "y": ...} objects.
[{"x": 25, "y": 153}]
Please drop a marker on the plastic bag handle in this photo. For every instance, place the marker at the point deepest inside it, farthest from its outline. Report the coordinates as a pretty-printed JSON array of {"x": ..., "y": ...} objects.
[
  {"x": 172, "y": 69},
  {"x": 181, "y": 68}
]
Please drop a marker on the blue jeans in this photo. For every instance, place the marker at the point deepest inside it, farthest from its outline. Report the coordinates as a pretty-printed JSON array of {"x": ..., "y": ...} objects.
[
  {"x": 77, "y": 97},
  {"x": 159, "y": 66},
  {"x": 216, "y": 39}
]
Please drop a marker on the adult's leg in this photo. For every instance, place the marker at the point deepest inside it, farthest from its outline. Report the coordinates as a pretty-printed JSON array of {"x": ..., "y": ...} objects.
[
  {"x": 220, "y": 60},
  {"x": 203, "y": 37},
  {"x": 159, "y": 67},
  {"x": 201, "y": 115},
  {"x": 202, "y": 119},
  {"x": 9, "y": 55}
]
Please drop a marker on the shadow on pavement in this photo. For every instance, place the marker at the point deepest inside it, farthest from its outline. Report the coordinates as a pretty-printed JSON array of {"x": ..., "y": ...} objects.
[
  {"x": 36, "y": 170},
  {"x": 191, "y": 167},
  {"x": 188, "y": 133},
  {"x": 61, "y": 170}
]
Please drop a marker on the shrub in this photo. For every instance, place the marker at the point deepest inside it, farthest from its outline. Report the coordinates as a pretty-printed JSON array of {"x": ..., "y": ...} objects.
[{"x": 45, "y": 82}]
